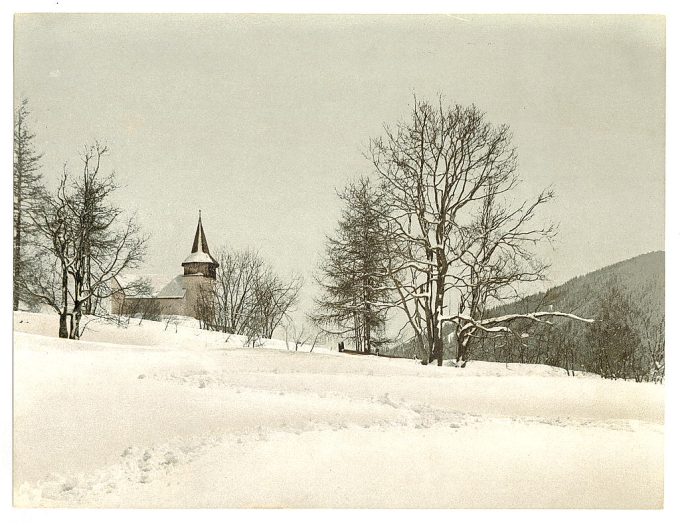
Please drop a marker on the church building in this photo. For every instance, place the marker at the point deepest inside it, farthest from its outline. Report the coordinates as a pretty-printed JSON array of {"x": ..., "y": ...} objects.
[{"x": 180, "y": 296}]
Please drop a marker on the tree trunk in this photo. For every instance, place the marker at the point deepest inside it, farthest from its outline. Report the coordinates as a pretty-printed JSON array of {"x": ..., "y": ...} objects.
[
  {"x": 367, "y": 331},
  {"x": 442, "y": 270},
  {"x": 76, "y": 313},
  {"x": 17, "y": 248},
  {"x": 357, "y": 333},
  {"x": 430, "y": 347},
  {"x": 462, "y": 349},
  {"x": 88, "y": 283},
  {"x": 422, "y": 350},
  {"x": 63, "y": 328},
  {"x": 437, "y": 335},
  {"x": 75, "y": 324},
  {"x": 439, "y": 348}
]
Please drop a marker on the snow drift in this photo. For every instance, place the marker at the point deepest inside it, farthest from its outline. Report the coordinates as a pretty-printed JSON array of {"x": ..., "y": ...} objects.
[{"x": 173, "y": 416}]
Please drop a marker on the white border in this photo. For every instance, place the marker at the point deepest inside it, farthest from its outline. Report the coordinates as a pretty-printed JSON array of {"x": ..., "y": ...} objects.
[{"x": 669, "y": 515}]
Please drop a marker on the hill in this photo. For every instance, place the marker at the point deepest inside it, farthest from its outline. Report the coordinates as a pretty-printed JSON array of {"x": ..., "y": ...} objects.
[
  {"x": 140, "y": 416},
  {"x": 627, "y": 301},
  {"x": 640, "y": 281},
  {"x": 642, "y": 276}
]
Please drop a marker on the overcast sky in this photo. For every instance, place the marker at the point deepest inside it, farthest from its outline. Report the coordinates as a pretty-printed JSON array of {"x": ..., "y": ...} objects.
[{"x": 257, "y": 120}]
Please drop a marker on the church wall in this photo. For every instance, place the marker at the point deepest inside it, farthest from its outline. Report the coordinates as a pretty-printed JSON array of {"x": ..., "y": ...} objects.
[
  {"x": 172, "y": 306},
  {"x": 150, "y": 306},
  {"x": 117, "y": 300},
  {"x": 199, "y": 276},
  {"x": 188, "y": 305},
  {"x": 195, "y": 286}
]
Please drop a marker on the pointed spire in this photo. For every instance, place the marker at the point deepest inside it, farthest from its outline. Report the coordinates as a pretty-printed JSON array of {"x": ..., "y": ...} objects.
[
  {"x": 200, "y": 244},
  {"x": 200, "y": 256}
]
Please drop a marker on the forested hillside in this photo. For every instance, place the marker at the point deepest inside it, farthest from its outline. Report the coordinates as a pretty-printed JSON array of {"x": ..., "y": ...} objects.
[
  {"x": 627, "y": 339},
  {"x": 626, "y": 300},
  {"x": 641, "y": 276}
]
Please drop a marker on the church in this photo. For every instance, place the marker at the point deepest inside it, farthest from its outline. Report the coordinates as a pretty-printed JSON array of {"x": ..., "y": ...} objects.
[{"x": 180, "y": 296}]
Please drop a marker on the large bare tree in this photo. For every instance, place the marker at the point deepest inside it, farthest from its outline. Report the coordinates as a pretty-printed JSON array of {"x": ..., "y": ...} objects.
[
  {"x": 84, "y": 242},
  {"x": 448, "y": 178}
]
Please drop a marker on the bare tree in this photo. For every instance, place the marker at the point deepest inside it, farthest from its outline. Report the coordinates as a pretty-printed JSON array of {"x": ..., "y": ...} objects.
[
  {"x": 655, "y": 350},
  {"x": 447, "y": 179},
  {"x": 173, "y": 320},
  {"x": 27, "y": 193},
  {"x": 86, "y": 241},
  {"x": 247, "y": 298},
  {"x": 48, "y": 281},
  {"x": 233, "y": 296},
  {"x": 95, "y": 212},
  {"x": 274, "y": 298},
  {"x": 300, "y": 335}
]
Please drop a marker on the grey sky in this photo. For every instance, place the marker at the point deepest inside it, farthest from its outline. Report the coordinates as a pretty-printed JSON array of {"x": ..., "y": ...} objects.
[{"x": 257, "y": 119}]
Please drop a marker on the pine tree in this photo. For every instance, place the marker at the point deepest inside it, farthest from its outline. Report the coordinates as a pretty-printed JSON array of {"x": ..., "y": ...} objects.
[
  {"x": 27, "y": 190},
  {"x": 353, "y": 279},
  {"x": 615, "y": 341}
]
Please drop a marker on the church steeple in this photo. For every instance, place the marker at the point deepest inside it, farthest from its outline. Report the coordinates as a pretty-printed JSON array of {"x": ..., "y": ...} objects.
[
  {"x": 200, "y": 244},
  {"x": 199, "y": 261}
]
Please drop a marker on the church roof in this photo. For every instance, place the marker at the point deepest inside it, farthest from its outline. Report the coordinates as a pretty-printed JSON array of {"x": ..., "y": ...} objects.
[
  {"x": 154, "y": 284},
  {"x": 200, "y": 253},
  {"x": 198, "y": 257},
  {"x": 175, "y": 289}
]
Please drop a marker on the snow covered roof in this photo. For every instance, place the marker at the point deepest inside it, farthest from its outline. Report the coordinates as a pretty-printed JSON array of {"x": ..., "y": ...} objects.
[
  {"x": 198, "y": 257},
  {"x": 174, "y": 289},
  {"x": 160, "y": 285},
  {"x": 128, "y": 280}
]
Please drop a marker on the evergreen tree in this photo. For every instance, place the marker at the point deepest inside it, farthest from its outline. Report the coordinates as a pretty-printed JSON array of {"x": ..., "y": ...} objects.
[
  {"x": 615, "y": 341},
  {"x": 27, "y": 191},
  {"x": 353, "y": 280}
]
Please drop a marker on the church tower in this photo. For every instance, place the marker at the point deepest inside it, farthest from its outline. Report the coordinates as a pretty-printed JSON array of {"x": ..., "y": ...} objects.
[
  {"x": 200, "y": 272},
  {"x": 199, "y": 261}
]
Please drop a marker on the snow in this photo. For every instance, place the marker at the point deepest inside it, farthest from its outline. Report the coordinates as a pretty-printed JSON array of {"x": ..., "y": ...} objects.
[
  {"x": 174, "y": 332},
  {"x": 198, "y": 257},
  {"x": 149, "y": 416},
  {"x": 155, "y": 281},
  {"x": 174, "y": 289}
]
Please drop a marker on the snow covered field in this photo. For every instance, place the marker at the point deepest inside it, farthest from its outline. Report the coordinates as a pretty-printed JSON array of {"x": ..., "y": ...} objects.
[{"x": 149, "y": 416}]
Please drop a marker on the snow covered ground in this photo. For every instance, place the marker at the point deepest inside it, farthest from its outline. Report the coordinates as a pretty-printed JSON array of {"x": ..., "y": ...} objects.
[{"x": 153, "y": 416}]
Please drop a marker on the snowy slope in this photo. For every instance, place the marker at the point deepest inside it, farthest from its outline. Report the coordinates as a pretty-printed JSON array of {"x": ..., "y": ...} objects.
[
  {"x": 148, "y": 417},
  {"x": 176, "y": 332}
]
